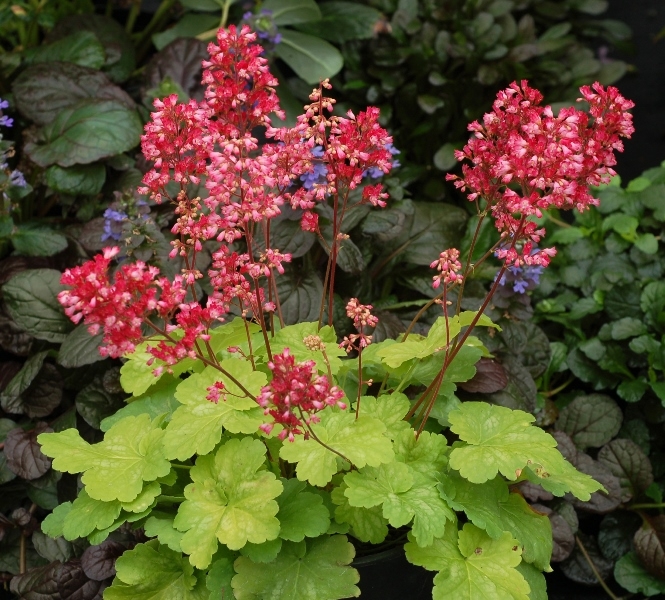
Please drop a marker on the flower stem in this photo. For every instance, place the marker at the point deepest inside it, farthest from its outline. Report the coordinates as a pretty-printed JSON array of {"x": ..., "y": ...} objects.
[{"x": 608, "y": 591}]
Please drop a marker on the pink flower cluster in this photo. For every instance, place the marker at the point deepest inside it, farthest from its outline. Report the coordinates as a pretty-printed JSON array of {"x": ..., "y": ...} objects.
[
  {"x": 212, "y": 142},
  {"x": 295, "y": 395},
  {"x": 362, "y": 318},
  {"x": 448, "y": 265},
  {"x": 119, "y": 306},
  {"x": 524, "y": 160}
]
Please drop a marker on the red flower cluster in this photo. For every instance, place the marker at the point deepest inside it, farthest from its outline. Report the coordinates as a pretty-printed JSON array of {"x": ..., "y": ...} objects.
[
  {"x": 525, "y": 160},
  {"x": 119, "y": 307},
  {"x": 295, "y": 395}
]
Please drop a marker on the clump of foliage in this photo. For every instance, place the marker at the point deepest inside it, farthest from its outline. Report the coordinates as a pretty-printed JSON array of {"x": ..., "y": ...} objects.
[
  {"x": 436, "y": 65},
  {"x": 601, "y": 303},
  {"x": 250, "y": 448}
]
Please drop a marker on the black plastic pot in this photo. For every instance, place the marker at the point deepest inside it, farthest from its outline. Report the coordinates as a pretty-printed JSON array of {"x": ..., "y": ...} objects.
[{"x": 389, "y": 576}]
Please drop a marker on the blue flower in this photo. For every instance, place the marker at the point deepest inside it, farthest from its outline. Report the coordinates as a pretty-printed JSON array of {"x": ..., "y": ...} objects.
[
  {"x": 17, "y": 179},
  {"x": 3, "y": 104},
  {"x": 113, "y": 224},
  {"x": 6, "y": 121}
]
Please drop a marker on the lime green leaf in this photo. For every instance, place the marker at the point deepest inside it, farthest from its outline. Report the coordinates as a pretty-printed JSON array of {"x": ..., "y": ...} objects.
[
  {"x": 389, "y": 409},
  {"x": 312, "y": 59},
  {"x": 154, "y": 572},
  {"x": 262, "y": 553},
  {"x": 232, "y": 334},
  {"x": 219, "y": 579},
  {"x": 160, "y": 402},
  {"x": 196, "y": 427},
  {"x": 472, "y": 566},
  {"x": 426, "y": 454},
  {"x": 115, "y": 468},
  {"x": 360, "y": 440},
  {"x": 301, "y": 513},
  {"x": 230, "y": 500},
  {"x": 437, "y": 339},
  {"x": 405, "y": 495},
  {"x": 535, "y": 579},
  {"x": 53, "y": 524},
  {"x": 502, "y": 440},
  {"x": 144, "y": 500},
  {"x": 87, "y": 514},
  {"x": 491, "y": 507},
  {"x": 293, "y": 336},
  {"x": 367, "y": 524},
  {"x": 311, "y": 570},
  {"x": 160, "y": 525}
]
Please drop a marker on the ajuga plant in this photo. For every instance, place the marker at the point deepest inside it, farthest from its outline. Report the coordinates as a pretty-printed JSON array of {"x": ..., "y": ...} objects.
[{"x": 259, "y": 457}]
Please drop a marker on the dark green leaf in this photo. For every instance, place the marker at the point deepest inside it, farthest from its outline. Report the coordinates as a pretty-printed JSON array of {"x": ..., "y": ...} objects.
[
  {"x": 118, "y": 47},
  {"x": 31, "y": 299},
  {"x": 84, "y": 180},
  {"x": 190, "y": 25},
  {"x": 622, "y": 301},
  {"x": 343, "y": 21},
  {"x": 81, "y": 48},
  {"x": 590, "y": 420},
  {"x": 589, "y": 371},
  {"x": 36, "y": 240},
  {"x": 41, "y": 397},
  {"x": 627, "y": 327},
  {"x": 43, "y": 91},
  {"x": 291, "y": 12},
  {"x": 52, "y": 549},
  {"x": 631, "y": 574},
  {"x": 94, "y": 403},
  {"x": 529, "y": 344},
  {"x": 80, "y": 348},
  {"x": 86, "y": 132},
  {"x": 444, "y": 158},
  {"x": 632, "y": 390},
  {"x": 616, "y": 533},
  {"x": 312, "y": 58},
  {"x": 430, "y": 229}
]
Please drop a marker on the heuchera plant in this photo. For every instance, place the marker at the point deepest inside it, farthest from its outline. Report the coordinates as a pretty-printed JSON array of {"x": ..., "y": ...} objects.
[{"x": 259, "y": 457}]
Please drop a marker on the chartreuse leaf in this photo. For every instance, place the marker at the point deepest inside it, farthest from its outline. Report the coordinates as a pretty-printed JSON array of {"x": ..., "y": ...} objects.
[
  {"x": 362, "y": 441},
  {"x": 160, "y": 525},
  {"x": 232, "y": 334},
  {"x": 535, "y": 579},
  {"x": 87, "y": 514},
  {"x": 440, "y": 334},
  {"x": 301, "y": 513},
  {"x": 154, "y": 572},
  {"x": 294, "y": 337},
  {"x": 367, "y": 524},
  {"x": 425, "y": 454},
  {"x": 308, "y": 570},
  {"x": 471, "y": 565},
  {"x": 405, "y": 495},
  {"x": 196, "y": 427},
  {"x": 115, "y": 468},
  {"x": 390, "y": 409},
  {"x": 53, "y": 524},
  {"x": 498, "y": 439},
  {"x": 231, "y": 500},
  {"x": 491, "y": 507}
]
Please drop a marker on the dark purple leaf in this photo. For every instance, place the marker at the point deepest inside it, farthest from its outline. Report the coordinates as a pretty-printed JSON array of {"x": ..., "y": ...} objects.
[
  {"x": 24, "y": 456},
  {"x": 616, "y": 533},
  {"x": 91, "y": 235},
  {"x": 12, "y": 338},
  {"x": 565, "y": 445},
  {"x": 490, "y": 377},
  {"x": 625, "y": 459},
  {"x": 562, "y": 534},
  {"x": 8, "y": 371},
  {"x": 181, "y": 61},
  {"x": 649, "y": 541},
  {"x": 15, "y": 264},
  {"x": 389, "y": 326},
  {"x": 591, "y": 420},
  {"x": 533, "y": 492},
  {"x": 40, "y": 583},
  {"x": 577, "y": 568},
  {"x": 74, "y": 585},
  {"x": 34, "y": 394},
  {"x": 600, "y": 502},
  {"x": 520, "y": 392},
  {"x": 98, "y": 562}
]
